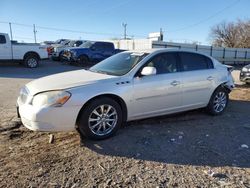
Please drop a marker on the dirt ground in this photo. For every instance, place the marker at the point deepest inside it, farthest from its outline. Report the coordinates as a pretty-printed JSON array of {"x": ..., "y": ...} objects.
[{"x": 190, "y": 149}]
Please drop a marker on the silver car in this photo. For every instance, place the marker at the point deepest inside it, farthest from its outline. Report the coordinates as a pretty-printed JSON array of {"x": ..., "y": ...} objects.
[{"x": 128, "y": 86}]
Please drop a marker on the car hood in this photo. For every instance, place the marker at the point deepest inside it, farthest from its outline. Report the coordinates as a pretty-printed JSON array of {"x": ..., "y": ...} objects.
[{"x": 65, "y": 80}]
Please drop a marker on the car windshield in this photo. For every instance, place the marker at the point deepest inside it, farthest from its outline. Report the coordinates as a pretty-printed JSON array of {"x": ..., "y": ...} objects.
[
  {"x": 87, "y": 44},
  {"x": 118, "y": 64}
]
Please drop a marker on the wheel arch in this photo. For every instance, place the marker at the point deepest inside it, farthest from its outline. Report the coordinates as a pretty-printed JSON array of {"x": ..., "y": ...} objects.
[
  {"x": 225, "y": 86},
  {"x": 83, "y": 55},
  {"x": 31, "y": 53},
  {"x": 115, "y": 97}
]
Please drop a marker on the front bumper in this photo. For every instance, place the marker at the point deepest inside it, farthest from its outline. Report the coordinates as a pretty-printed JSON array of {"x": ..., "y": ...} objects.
[
  {"x": 55, "y": 55},
  {"x": 245, "y": 77},
  {"x": 49, "y": 119}
]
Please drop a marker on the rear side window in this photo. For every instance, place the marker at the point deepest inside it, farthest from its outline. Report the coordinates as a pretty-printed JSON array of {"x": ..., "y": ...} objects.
[
  {"x": 2, "y": 39},
  {"x": 192, "y": 61}
]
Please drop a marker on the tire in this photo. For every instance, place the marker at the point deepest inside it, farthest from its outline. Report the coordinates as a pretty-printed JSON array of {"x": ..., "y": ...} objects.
[
  {"x": 31, "y": 61},
  {"x": 61, "y": 57},
  {"x": 83, "y": 60},
  {"x": 95, "y": 125},
  {"x": 218, "y": 102}
]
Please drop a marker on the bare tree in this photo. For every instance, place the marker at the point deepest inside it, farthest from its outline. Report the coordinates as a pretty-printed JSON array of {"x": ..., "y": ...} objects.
[{"x": 234, "y": 35}]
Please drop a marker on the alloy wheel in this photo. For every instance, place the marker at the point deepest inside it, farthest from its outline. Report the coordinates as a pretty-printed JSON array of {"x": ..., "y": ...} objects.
[
  {"x": 102, "y": 120},
  {"x": 220, "y": 102}
]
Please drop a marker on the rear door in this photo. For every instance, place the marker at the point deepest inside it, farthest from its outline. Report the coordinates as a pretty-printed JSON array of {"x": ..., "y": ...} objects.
[
  {"x": 5, "y": 48},
  {"x": 197, "y": 79},
  {"x": 160, "y": 93}
]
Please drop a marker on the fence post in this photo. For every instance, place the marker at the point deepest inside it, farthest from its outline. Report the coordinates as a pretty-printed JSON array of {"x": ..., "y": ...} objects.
[
  {"x": 196, "y": 47},
  {"x": 211, "y": 51},
  {"x": 235, "y": 56},
  {"x": 224, "y": 54},
  {"x": 245, "y": 57}
]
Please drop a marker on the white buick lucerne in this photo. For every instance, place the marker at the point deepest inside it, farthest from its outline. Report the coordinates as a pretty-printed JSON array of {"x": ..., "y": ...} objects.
[{"x": 128, "y": 86}]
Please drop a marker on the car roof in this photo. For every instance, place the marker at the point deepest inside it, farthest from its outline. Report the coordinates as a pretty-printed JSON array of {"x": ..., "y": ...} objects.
[{"x": 159, "y": 50}]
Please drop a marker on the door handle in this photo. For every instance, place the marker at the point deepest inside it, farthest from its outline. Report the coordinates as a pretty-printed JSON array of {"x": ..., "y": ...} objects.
[
  {"x": 175, "y": 83},
  {"x": 210, "y": 78}
]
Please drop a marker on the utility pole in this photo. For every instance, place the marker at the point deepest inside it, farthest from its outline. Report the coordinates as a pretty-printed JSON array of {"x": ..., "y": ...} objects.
[
  {"x": 35, "y": 31},
  {"x": 125, "y": 30},
  {"x": 11, "y": 37},
  {"x": 161, "y": 34}
]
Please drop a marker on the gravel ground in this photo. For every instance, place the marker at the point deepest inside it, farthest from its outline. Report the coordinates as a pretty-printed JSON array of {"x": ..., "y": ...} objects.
[{"x": 190, "y": 149}]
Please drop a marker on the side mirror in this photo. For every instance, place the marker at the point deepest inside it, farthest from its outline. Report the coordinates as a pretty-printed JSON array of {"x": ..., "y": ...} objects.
[
  {"x": 92, "y": 48},
  {"x": 146, "y": 71}
]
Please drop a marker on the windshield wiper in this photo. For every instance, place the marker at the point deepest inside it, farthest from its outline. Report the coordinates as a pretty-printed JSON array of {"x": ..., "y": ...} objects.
[
  {"x": 103, "y": 72},
  {"x": 98, "y": 71}
]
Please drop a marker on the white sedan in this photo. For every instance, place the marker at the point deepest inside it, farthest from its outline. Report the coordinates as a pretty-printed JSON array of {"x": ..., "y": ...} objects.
[{"x": 128, "y": 86}]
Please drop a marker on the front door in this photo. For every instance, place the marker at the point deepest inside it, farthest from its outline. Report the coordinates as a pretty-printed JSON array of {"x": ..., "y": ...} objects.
[
  {"x": 5, "y": 48},
  {"x": 160, "y": 93}
]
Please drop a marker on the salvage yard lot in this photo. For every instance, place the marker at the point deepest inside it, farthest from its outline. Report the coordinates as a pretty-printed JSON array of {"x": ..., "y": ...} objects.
[{"x": 190, "y": 149}]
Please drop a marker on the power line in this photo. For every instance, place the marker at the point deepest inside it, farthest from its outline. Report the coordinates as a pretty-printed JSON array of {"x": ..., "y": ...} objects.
[
  {"x": 69, "y": 30},
  {"x": 206, "y": 19}
]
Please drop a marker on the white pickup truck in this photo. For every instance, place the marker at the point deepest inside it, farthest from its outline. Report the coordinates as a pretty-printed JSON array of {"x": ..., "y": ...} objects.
[{"x": 29, "y": 53}]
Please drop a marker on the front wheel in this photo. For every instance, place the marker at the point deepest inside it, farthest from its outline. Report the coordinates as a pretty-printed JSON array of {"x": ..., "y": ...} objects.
[
  {"x": 83, "y": 60},
  {"x": 218, "y": 101},
  {"x": 100, "y": 119}
]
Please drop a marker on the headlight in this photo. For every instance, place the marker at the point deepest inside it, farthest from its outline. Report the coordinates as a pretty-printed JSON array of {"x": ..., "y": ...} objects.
[
  {"x": 51, "y": 98},
  {"x": 245, "y": 69}
]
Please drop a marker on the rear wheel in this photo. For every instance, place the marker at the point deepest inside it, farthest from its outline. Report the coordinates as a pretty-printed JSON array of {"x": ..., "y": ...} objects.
[
  {"x": 218, "y": 101},
  {"x": 31, "y": 61},
  {"x": 100, "y": 119},
  {"x": 61, "y": 56}
]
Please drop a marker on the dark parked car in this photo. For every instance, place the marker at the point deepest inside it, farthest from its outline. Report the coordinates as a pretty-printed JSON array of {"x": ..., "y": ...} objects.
[
  {"x": 90, "y": 52},
  {"x": 245, "y": 74}
]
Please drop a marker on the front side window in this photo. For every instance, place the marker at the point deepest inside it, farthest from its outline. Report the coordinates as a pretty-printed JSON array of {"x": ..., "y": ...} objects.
[
  {"x": 192, "y": 61},
  {"x": 118, "y": 64},
  {"x": 164, "y": 63},
  {"x": 78, "y": 43},
  {"x": 2, "y": 39},
  {"x": 99, "y": 46}
]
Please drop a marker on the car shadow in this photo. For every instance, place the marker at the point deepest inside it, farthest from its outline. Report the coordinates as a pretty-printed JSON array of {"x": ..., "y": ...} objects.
[
  {"x": 242, "y": 86},
  {"x": 189, "y": 138},
  {"x": 45, "y": 68}
]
